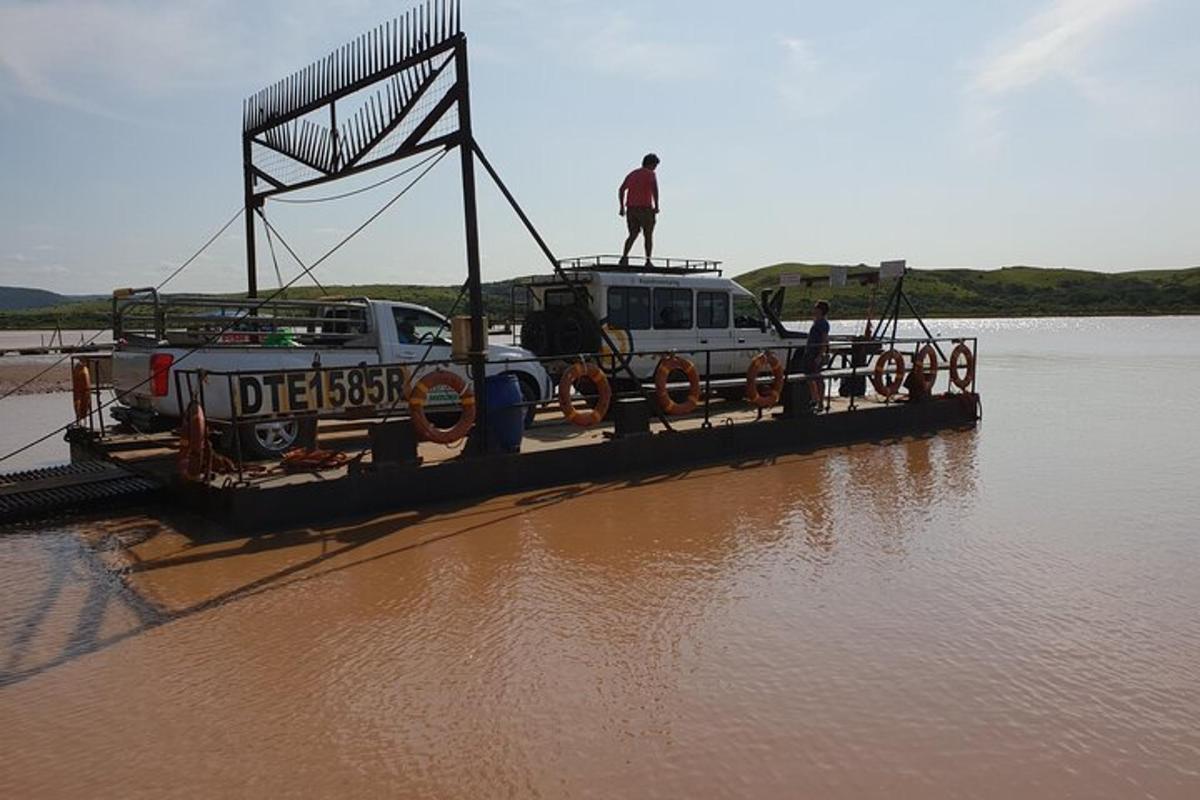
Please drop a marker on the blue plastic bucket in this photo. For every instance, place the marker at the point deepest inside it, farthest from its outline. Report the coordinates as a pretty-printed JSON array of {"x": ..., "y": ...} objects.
[{"x": 505, "y": 415}]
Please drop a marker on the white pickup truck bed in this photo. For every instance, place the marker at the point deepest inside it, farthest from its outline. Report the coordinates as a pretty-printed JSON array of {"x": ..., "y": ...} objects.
[{"x": 343, "y": 359}]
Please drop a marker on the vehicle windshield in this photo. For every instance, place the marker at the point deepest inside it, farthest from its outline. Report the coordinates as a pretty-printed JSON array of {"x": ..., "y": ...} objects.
[{"x": 414, "y": 326}]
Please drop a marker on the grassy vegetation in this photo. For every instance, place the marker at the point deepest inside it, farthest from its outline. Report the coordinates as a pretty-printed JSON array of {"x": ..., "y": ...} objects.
[
  {"x": 88, "y": 314},
  {"x": 1008, "y": 292}
]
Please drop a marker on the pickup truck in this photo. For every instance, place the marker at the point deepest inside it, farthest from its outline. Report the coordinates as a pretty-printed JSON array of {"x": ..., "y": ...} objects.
[{"x": 282, "y": 364}]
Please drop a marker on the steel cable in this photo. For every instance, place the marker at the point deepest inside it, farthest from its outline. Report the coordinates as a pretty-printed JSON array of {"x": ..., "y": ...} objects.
[
  {"x": 400, "y": 174},
  {"x": 161, "y": 284}
]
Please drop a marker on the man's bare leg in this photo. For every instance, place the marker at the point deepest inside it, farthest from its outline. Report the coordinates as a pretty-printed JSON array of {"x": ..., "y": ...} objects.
[
  {"x": 648, "y": 240},
  {"x": 628, "y": 246}
]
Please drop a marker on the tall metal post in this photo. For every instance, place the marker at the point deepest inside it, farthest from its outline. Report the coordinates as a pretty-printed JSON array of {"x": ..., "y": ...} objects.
[
  {"x": 478, "y": 348},
  {"x": 248, "y": 178}
]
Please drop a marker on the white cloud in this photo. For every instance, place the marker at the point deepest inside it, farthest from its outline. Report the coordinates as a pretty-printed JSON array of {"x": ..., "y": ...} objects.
[
  {"x": 63, "y": 51},
  {"x": 1052, "y": 43},
  {"x": 612, "y": 42},
  {"x": 810, "y": 86}
]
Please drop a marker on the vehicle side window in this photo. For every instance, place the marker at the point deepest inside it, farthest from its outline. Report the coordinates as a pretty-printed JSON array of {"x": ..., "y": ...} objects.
[
  {"x": 629, "y": 308},
  {"x": 746, "y": 313},
  {"x": 557, "y": 298},
  {"x": 344, "y": 321},
  {"x": 672, "y": 309},
  {"x": 419, "y": 327},
  {"x": 712, "y": 309}
]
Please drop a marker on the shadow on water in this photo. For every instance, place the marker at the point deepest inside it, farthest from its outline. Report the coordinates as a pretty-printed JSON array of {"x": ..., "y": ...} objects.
[{"x": 87, "y": 550}]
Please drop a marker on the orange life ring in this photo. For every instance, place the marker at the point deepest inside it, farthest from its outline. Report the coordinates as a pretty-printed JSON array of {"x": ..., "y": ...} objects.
[
  {"x": 885, "y": 387},
  {"x": 962, "y": 380},
  {"x": 584, "y": 419},
  {"x": 613, "y": 359},
  {"x": 81, "y": 390},
  {"x": 195, "y": 450},
  {"x": 754, "y": 393},
  {"x": 666, "y": 366},
  {"x": 925, "y": 376},
  {"x": 419, "y": 396}
]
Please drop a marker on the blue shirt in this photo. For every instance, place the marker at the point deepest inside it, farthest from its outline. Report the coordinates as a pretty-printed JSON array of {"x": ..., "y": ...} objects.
[{"x": 818, "y": 335}]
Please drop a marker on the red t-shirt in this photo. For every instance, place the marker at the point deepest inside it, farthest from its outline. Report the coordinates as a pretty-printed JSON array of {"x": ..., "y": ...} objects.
[{"x": 641, "y": 185}]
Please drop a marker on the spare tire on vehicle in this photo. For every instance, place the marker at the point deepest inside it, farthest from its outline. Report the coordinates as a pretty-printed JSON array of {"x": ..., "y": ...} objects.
[
  {"x": 535, "y": 333},
  {"x": 574, "y": 331}
]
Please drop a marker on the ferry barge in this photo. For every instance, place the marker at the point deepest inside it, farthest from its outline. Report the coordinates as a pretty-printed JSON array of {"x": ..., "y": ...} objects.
[{"x": 268, "y": 412}]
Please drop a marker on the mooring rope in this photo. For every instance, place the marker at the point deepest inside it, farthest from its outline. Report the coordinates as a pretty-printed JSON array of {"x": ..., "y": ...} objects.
[{"x": 99, "y": 408}]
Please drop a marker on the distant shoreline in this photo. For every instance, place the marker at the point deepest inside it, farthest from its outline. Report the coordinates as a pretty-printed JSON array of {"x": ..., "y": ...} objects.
[
  {"x": 5, "y": 328},
  {"x": 1009, "y": 292}
]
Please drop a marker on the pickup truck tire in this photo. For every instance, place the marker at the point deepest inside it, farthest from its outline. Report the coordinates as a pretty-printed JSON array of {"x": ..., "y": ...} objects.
[{"x": 268, "y": 441}]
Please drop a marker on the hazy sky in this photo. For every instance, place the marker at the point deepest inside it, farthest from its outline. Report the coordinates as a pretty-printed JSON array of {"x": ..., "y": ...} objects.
[{"x": 950, "y": 133}]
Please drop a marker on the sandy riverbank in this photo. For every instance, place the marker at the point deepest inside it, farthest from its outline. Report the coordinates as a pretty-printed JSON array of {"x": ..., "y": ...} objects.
[{"x": 15, "y": 372}]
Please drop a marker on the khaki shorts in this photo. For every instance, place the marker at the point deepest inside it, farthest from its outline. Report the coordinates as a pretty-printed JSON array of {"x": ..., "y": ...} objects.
[{"x": 640, "y": 219}]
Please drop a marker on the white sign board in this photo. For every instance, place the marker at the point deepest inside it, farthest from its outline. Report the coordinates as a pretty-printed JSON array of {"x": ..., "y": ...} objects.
[
  {"x": 791, "y": 279},
  {"x": 892, "y": 269},
  {"x": 837, "y": 276}
]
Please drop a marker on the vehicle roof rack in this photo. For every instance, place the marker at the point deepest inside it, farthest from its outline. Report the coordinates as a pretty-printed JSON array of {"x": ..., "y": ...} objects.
[{"x": 661, "y": 266}]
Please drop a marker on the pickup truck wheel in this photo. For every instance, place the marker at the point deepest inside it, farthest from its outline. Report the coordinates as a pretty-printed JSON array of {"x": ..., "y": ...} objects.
[{"x": 268, "y": 441}]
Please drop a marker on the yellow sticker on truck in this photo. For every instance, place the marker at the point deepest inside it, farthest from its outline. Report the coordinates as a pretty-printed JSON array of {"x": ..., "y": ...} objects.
[{"x": 319, "y": 391}]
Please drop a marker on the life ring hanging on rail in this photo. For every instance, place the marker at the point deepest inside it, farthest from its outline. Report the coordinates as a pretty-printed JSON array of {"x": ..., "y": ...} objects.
[
  {"x": 662, "y": 374},
  {"x": 609, "y": 359},
  {"x": 81, "y": 390},
  {"x": 195, "y": 450},
  {"x": 962, "y": 375},
  {"x": 754, "y": 392},
  {"x": 925, "y": 369},
  {"x": 892, "y": 361},
  {"x": 420, "y": 396},
  {"x": 575, "y": 373}
]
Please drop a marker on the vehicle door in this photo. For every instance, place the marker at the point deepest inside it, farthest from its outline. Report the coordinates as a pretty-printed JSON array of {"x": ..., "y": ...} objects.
[
  {"x": 422, "y": 342},
  {"x": 674, "y": 321},
  {"x": 714, "y": 332},
  {"x": 751, "y": 331},
  {"x": 628, "y": 318}
]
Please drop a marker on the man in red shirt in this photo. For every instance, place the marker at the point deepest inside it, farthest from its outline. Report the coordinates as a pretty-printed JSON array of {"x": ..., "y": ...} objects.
[{"x": 638, "y": 197}]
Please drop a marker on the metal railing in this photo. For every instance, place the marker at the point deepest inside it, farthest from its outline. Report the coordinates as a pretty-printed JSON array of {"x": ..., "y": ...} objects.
[
  {"x": 856, "y": 357},
  {"x": 143, "y": 315},
  {"x": 376, "y": 382}
]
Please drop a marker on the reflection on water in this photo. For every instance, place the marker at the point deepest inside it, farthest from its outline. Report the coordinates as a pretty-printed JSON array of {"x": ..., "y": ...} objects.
[{"x": 975, "y": 614}]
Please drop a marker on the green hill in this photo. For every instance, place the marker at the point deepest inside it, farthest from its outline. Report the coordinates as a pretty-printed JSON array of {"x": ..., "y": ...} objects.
[
  {"x": 1007, "y": 292},
  {"x": 13, "y": 298}
]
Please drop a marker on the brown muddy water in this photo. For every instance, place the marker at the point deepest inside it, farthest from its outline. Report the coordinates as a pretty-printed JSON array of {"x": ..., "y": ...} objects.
[{"x": 1009, "y": 612}]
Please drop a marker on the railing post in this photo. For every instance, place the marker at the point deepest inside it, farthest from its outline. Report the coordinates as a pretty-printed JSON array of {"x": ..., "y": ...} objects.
[
  {"x": 234, "y": 418},
  {"x": 707, "y": 388},
  {"x": 204, "y": 408}
]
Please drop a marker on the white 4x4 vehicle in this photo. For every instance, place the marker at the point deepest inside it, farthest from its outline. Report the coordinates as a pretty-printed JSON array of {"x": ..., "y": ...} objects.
[
  {"x": 275, "y": 349},
  {"x": 682, "y": 307}
]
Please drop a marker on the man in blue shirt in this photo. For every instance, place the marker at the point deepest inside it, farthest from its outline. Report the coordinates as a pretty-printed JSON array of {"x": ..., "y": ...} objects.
[{"x": 815, "y": 347}]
